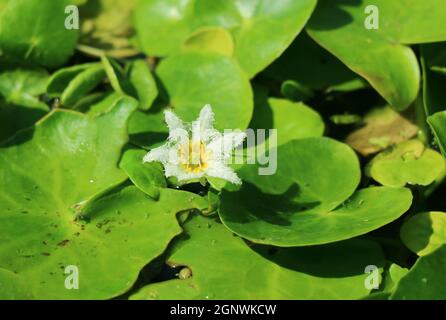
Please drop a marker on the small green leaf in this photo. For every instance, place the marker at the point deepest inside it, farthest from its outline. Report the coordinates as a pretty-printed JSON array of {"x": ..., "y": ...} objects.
[
  {"x": 143, "y": 83},
  {"x": 407, "y": 163},
  {"x": 82, "y": 84},
  {"x": 294, "y": 91},
  {"x": 60, "y": 80},
  {"x": 423, "y": 233},
  {"x": 148, "y": 177}
]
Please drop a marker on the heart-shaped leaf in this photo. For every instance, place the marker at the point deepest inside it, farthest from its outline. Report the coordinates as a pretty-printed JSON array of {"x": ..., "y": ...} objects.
[
  {"x": 35, "y": 31},
  {"x": 371, "y": 38},
  {"x": 409, "y": 162},
  {"x": 41, "y": 246},
  {"x": 53, "y": 214},
  {"x": 261, "y": 29},
  {"x": 233, "y": 270},
  {"x": 424, "y": 232},
  {"x": 300, "y": 203}
]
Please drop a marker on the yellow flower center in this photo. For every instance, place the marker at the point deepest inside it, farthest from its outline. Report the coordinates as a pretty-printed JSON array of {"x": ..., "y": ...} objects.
[{"x": 193, "y": 156}]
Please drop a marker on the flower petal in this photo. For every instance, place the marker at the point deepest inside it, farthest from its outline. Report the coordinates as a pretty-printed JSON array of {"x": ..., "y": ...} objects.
[
  {"x": 173, "y": 122},
  {"x": 158, "y": 154},
  {"x": 222, "y": 146},
  {"x": 219, "y": 170},
  {"x": 202, "y": 128}
]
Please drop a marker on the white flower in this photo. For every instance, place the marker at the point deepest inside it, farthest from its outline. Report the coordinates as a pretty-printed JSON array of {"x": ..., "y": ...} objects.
[{"x": 197, "y": 151}]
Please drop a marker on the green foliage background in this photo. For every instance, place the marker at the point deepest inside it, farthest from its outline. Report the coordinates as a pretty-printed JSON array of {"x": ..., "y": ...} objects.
[{"x": 361, "y": 120}]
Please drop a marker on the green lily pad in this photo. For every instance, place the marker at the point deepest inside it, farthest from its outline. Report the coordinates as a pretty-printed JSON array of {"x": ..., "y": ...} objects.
[
  {"x": 292, "y": 120},
  {"x": 315, "y": 169},
  {"x": 424, "y": 232},
  {"x": 380, "y": 55},
  {"x": 276, "y": 220},
  {"x": 433, "y": 57},
  {"x": 148, "y": 177},
  {"x": 309, "y": 200},
  {"x": 34, "y": 30},
  {"x": 261, "y": 29},
  {"x": 57, "y": 212},
  {"x": 425, "y": 281},
  {"x": 126, "y": 220},
  {"x": 192, "y": 80},
  {"x": 409, "y": 162},
  {"x": 233, "y": 270}
]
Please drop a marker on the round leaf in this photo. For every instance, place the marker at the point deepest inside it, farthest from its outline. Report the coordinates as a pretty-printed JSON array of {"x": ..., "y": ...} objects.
[
  {"x": 299, "y": 204},
  {"x": 407, "y": 163},
  {"x": 233, "y": 270},
  {"x": 125, "y": 220},
  {"x": 192, "y": 80},
  {"x": 35, "y": 31}
]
